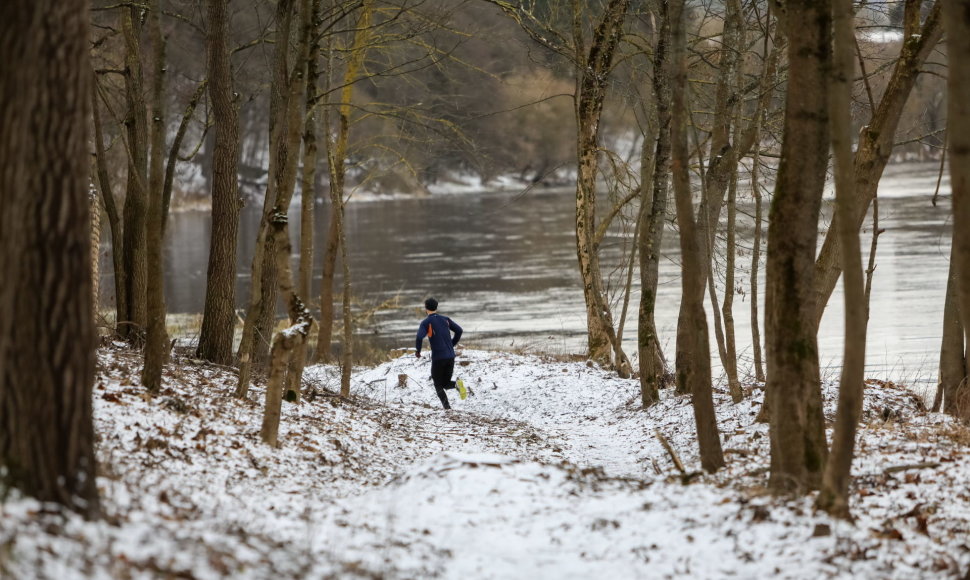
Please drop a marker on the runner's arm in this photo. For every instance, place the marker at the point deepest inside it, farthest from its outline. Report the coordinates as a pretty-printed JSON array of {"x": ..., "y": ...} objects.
[
  {"x": 457, "y": 330},
  {"x": 422, "y": 332}
]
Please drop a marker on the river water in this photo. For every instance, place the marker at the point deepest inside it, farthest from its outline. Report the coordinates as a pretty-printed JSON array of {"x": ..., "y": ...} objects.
[{"x": 504, "y": 266}]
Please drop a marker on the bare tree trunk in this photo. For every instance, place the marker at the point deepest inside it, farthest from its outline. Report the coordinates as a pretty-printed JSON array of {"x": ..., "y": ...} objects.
[
  {"x": 257, "y": 327},
  {"x": 47, "y": 337},
  {"x": 759, "y": 369},
  {"x": 156, "y": 344},
  {"x": 219, "y": 312},
  {"x": 760, "y": 114},
  {"x": 337, "y": 142},
  {"x": 95, "y": 213},
  {"x": 695, "y": 375},
  {"x": 347, "y": 358},
  {"x": 874, "y": 243},
  {"x": 134, "y": 322},
  {"x": 834, "y": 496},
  {"x": 592, "y": 74},
  {"x": 958, "y": 131},
  {"x": 325, "y": 335},
  {"x": 289, "y": 341},
  {"x": 724, "y": 156},
  {"x": 730, "y": 347},
  {"x": 654, "y": 169},
  {"x": 876, "y": 140},
  {"x": 110, "y": 208},
  {"x": 336, "y": 171},
  {"x": 953, "y": 362},
  {"x": 798, "y": 448},
  {"x": 311, "y": 27}
]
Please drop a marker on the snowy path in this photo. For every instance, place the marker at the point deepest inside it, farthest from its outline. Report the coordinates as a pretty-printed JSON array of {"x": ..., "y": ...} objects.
[
  {"x": 587, "y": 415},
  {"x": 550, "y": 470},
  {"x": 578, "y": 409}
]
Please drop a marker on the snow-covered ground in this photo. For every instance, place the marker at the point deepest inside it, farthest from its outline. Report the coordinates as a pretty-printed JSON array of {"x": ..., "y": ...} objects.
[{"x": 549, "y": 470}]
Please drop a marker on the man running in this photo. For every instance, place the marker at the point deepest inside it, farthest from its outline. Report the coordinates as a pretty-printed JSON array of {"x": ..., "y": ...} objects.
[{"x": 438, "y": 329}]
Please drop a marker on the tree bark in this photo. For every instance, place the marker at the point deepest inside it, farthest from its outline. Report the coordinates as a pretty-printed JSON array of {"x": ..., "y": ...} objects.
[
  {"x": 310, "y": 50},
  {"x": 156, "y": 343},
  {"x": 654, "y": 170},
  {"x": 876, "y": 141},
  {"x": 325, "y": 334},
  {"x": 958, "y": 131},
  {"x": 797, "y": 432},
  {"x": 47, "y": 337},
  {"x": 219, "y": 312},
  {"x": 135, "y": 320},
  {"x": 257, "y": 328},
  {"x": 337, "y": 142},
  {"x": 727, "y": 308},
  {"x": 110, "y": 208},
  {"x": 592, "y": 73},
  {"x": 953, "y": 362},
  {"x": 695, "y": 374},
  {"x": 759, "y": 369},
  {"x": 834, "y": 495}
]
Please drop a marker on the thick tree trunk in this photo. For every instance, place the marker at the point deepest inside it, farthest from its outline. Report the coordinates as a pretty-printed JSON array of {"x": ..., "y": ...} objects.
[
  {"x": 219, "y": 312},
  {"x": 156, "y": 343},
  {"x": 876, "y": 141},
  {"x": 834, "y": 496},
  {"x": 798, "y": 448},
  {"x": 653, "y": 210},
  {"x": 958, "y": 132},
  {"x": 46, "y": 327},
  {"x": 695, "y": 374}
]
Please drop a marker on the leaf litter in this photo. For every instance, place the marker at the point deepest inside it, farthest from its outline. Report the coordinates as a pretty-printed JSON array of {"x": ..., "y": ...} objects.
[{"x": 549, "y": 470}]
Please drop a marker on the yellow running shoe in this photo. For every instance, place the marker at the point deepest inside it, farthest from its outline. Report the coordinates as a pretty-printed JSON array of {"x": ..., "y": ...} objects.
[{"x": 462, "y": 392}]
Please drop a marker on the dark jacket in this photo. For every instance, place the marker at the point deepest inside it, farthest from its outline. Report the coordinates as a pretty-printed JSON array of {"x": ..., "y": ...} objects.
[{"x": 438, "y": 329}]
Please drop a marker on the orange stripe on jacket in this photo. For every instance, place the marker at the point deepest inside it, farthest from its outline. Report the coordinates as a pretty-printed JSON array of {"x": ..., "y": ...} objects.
[{"x": 430, "y": 331}]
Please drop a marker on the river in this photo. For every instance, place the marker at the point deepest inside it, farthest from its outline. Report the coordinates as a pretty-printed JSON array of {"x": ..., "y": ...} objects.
[{"x": 504, "y": 266}]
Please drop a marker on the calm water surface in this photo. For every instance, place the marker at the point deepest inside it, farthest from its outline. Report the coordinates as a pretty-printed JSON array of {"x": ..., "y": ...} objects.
[{"x": 504, "y": 266}]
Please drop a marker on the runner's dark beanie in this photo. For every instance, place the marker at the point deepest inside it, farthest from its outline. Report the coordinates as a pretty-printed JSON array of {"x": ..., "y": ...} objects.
[{"x": 431, "y": 304}]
